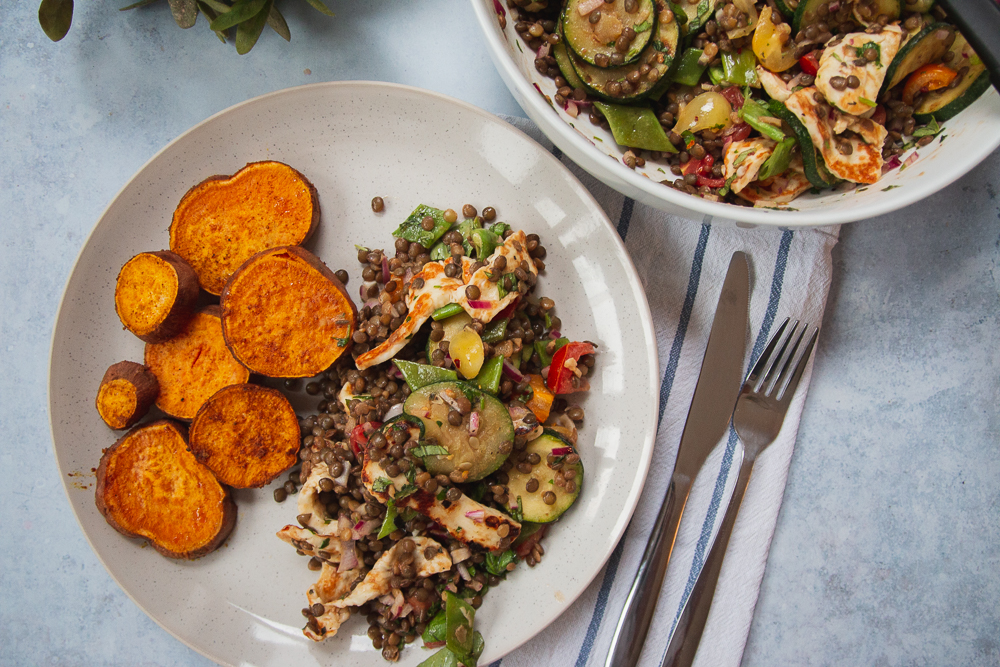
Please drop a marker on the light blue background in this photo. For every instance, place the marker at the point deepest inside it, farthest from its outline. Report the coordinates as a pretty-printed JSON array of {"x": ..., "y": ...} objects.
[{"x": 887, "y": 547}]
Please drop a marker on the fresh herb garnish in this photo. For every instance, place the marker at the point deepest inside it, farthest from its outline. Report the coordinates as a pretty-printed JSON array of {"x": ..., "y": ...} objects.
[
  {"x": 496, "y": 562},
  {"x": 928, "y": 130},
  {"x": 860, "y": 52},
  {"x": 421, "y": 451},
  {"x": 389, "y": 523},
  {"x": 381, "y": 484}
]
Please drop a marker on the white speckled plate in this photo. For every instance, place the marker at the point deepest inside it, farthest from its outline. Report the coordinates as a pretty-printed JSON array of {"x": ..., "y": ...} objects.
[{"x": 241, "y": 604}]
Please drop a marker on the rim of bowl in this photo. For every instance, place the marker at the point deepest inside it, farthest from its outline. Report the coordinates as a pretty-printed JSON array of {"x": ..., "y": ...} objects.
[{"x": 580, "y": 151}]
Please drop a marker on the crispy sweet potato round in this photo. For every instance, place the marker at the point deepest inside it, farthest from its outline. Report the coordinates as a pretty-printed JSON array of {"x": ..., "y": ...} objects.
[
  {"x": 224, "y": 220},
  {"x": 155, "y": 295},
  {"x": 126, "y": 394},
  {"x": 284, "y": 314},
  {"x": 193, "y": 365},
  {"x": 149, "y": 485},
  {"x": 246, "y": 434}
]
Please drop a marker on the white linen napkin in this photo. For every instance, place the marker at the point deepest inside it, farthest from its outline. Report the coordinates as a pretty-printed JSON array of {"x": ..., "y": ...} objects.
[{"x": 682, "y": 265}]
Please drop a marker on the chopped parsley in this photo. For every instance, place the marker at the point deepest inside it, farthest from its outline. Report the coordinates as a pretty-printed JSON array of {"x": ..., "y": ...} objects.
[
  {"x": 429, "y": 450},
  {"x": 381, "y": 484},
  {"x": 860, "y": 51},
  {"x": 865, "y": 100},
  {"x": 928, "y": 130}
]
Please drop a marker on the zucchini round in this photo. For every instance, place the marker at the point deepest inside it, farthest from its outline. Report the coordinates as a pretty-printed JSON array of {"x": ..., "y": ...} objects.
[
  {"x": 947, "y": 103},
  {"x": 613, "y": 83},
  {"x": 561, "y": 54},
  {"x": 923, "y": 48},
  {"x": 532, "y": 504},
  {"x": 697, "y": 14},
  {"x": 475, "y": 456},
  {"x": 784, "y": 9},
  {"x": 594, "y": 43}
]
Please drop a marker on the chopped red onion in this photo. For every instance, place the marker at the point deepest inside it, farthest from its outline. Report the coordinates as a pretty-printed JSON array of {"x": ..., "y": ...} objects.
[
  {"x": 452, "y": 403},
  {"x": 394, "y": 411},
  {"x": 891, "y": 163},
  {"x": 462, "y": 570},
  {"x": 914, "y": 156},
  {"x": 406, "y": 610},
  {"x": 476, "y": 585},
  {"x": 834, "y": 6},
  {"x": 385, "y": 269},
  {"x": 544, "y": 49},
  {"x": 476, "y": 515},
  {"x": 474, "y": 423},
  {"x": 572, "y": 109},
  {"x": 408, "y": 276},
  {"x": 452, "y": 587},
  {"x": 510, "y": 371},
  {"x": 397, "y": 602},
  {"x": 348, "y": 557},
  {"x": 364, "y": 528},
  {"x": 562, "y": 451},
  {"x": 498, "y": 8},
  {"x": 554, "y": 334},
  {"x": 460, "y": 554},
  {"x": 545, "y": 371},
  {"x": 342, "y": 480},
  {"x": 479, "y": 303}
]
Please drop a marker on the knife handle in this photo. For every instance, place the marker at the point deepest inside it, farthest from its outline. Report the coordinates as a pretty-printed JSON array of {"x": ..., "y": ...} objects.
[
  {"x": 691, "y": 623},
  {"x": 636, "y": 615}
]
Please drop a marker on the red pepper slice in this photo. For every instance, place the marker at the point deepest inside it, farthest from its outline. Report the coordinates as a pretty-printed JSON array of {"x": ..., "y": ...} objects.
[
  {"x": 810, "y": 62},
  {"x": 711, "y": 182},
  {"x": 734, "y": 96},
  {"x": 927, "y": 78},
  {"x": 702, "y": 166},
  {"x": 359, "y": 436},
  {"x": 508, "y": 312},
  {"x": 561, "y": 378}
]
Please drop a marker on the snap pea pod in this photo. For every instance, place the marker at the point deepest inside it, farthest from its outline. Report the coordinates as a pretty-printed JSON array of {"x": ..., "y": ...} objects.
[
  {"x": 421, "y": 375},
  {"x": 740, "y": 68},
  {"x": 489, "y": 375},
  {"x": 413, "y": 231},
  {"x": 484, "y": 242},
  {"x": 636, "y": 127},
  {"x": 495, "y": 331},
  {"x": 444, "y": 312},
  {"x": 752, "y": 112},
  {"x": 690, "y": 68}
]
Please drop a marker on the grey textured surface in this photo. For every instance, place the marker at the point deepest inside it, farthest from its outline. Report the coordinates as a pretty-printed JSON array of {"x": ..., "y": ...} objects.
[{"x": 886, "y": 551}]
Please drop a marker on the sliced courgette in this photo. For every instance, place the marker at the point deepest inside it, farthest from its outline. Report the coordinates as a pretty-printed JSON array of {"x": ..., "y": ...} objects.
[
  {"x": 631, "y": 82},
  {"x": 812, "y": 162},
  {"x": 477, "y": 455},
  {"x": 595, "y": 43},
  {"x": 785, "y": 10},
  {"x": 890, "y": 8},
  {"x": 532, "y": 504},
  {"x": 947, "y": 103},
  {"x": 697, "y": 14},
  {"x": 923, "y": 48},
  {"x": 561, "y": 54}
]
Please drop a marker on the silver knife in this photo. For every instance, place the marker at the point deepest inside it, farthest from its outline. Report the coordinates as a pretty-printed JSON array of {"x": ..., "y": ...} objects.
[{"x": 708, "y": 418}]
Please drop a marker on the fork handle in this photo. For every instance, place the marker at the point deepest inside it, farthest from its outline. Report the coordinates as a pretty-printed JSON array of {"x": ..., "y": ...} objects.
[
  {"x": 633, "y": 624},
  {"x": 691, "y": 623}
]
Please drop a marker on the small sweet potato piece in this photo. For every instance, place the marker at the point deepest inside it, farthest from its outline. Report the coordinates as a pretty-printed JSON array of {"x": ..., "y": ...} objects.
[
  {"x": 126, "y": 394},
  {"x": 149, "y": 485},
  {"x": 284, "y": 314},
  {"x": 193, "y": 365},
  {"x": 247, "y": 435},
  {"x": 155, "y": 295},
  {"x": 224, "y": 220}
]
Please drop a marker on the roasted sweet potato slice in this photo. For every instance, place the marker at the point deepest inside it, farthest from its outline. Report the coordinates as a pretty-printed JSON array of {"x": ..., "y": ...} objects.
[
  {"x": 284, "y": 314},
  {"x": 126, "y": 394},
  {"x": 149, "y": 485},
  {"x": 224, "y": 220},
  {"x": 193, "y": 365},
  {"x": 155, "y": 295},
  {"x": 247, "y": 435}
]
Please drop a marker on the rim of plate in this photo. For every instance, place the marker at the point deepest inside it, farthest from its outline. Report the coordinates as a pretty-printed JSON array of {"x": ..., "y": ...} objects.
[
  {"x": 577, "y": 147},
  {"x": 648, "y": 331}
]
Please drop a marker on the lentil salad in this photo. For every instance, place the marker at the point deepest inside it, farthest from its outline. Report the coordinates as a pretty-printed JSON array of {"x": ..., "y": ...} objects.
[
  {"x": 437, "y": 460},
  {"x": 754, "y": 103}
]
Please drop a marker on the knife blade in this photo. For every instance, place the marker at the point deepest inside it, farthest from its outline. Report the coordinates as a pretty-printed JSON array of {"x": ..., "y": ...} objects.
[{"x": 708, "y": 418}]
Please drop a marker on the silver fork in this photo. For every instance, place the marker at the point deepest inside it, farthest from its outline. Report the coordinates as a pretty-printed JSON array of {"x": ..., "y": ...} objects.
[{"x": 760, "y": 412}]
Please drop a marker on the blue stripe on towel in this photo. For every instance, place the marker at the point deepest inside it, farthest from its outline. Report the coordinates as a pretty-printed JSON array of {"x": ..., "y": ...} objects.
[
  {"x": 626, "y": 217},
  {"x": 665, "y": 387},
  {"x": 777, "y": 282}
]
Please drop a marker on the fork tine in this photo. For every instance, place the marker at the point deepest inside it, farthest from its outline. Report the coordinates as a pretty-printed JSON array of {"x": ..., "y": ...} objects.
[
  {"x": 788, "y": 388},
  {"x": 779, "y": 375},
  {"x": 762, "y": 365}
]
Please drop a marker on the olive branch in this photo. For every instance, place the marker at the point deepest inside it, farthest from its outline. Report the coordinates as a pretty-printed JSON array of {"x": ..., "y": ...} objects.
[{"x": 247, "y": 17}]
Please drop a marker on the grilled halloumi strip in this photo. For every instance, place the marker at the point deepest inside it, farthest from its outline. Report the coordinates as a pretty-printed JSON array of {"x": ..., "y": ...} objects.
[
  {"x": 309, "y": 503},
  {"x": 514, "y": 250},
  {"x": 779, "y": 189},
  {"x": 324, "y": 547},
  {"x": 847, "y": 59},
  {"x": 377, "y": 582},
  {"x": 438, "y": 290},
  {"x": 464, "y": 519},
  {"x": 744, "y": 159},
  {"x": 863, "y": 164},
  {"x": 331, "y": 585},
  {"x": 773, "y": 84}
]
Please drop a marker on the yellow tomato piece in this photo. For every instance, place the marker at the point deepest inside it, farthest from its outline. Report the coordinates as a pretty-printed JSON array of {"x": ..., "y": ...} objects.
[
  {"x": 466, "y": 350},
  {"x": 541, "y": 398},
  {"x": 708, "y": 111},
  {"x": 772, "y": 43}
]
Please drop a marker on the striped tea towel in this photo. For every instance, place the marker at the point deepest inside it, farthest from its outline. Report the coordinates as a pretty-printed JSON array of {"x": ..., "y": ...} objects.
[{"x": 682, "y": 265}]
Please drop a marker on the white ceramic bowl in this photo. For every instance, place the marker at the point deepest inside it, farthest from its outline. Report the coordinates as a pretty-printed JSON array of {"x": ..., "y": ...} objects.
[
  {"x": 970, "y": 137},
  {"x": 354, "y": 140}
]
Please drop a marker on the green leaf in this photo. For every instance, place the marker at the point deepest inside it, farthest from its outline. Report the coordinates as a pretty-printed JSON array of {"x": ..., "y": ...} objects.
[
  {"x": 779, "y": 159},
  {"x": 443, "y": 658},
  {"x": 135, "y": 5},
  {"x": 277, "y": 23},
  {"x": 381, "y": 484},
  {"x": 412, "y": 230},
  {"x": 55, "y": 17},
  {"x": 497, "y": 562},
  {"x": 421, "y": 451},
  {"x": 389, "y": 523},
  {"x": 320, "y": 7},
  {"x": 460, "y": 617},
  {"x": 928, "y": 130},
  {"x": 185, "y": 12},
  {"x": 238, "y": 13},
  {"x": 249, "y": 31},
  {"x": 436, "y": 629}
]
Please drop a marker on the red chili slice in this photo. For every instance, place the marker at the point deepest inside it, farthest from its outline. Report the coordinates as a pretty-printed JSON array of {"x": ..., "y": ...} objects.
[{"x": 561, "y": 376}]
